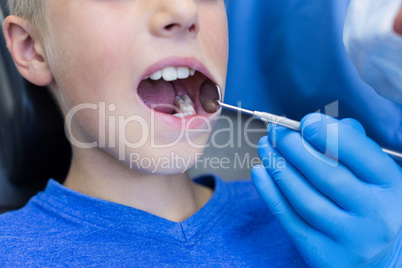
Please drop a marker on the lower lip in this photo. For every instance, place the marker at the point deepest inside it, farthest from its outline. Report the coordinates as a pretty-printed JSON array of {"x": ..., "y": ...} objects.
[{"x": 188, "y": 122}]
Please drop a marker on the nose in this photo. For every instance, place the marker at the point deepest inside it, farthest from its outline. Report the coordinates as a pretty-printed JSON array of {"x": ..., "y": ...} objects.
[{"x": 175, "y": 18}]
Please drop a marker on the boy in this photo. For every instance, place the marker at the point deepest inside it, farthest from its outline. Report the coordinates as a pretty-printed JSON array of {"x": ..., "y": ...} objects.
[{"x": 126, "y": 75}]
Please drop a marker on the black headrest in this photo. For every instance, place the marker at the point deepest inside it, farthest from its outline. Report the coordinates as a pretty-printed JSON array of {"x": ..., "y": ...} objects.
[{"x": 33, "y": 147}]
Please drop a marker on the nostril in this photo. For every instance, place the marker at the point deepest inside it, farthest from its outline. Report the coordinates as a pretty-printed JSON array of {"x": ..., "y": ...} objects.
[
  {"x": 193, "y": 28},
  {"x": 169, "y": 27},
  {"x": 172, "y": 26}
]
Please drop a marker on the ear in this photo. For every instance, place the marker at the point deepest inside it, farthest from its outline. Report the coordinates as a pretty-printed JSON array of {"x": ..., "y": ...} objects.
[
  {"x": 27, "y": 50},
  {"x": 398, "y": 23}
]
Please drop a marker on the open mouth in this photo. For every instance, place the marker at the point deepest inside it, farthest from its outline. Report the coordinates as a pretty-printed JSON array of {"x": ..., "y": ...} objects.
[{"x": 174, "y": 91}]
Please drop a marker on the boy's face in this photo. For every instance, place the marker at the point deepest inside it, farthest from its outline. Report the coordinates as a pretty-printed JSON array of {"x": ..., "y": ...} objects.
[{"x": 102, "y": 53}]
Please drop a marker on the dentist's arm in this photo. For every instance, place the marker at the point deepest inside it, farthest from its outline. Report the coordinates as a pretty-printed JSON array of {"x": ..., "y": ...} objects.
[{"x": 342, "y": 208}]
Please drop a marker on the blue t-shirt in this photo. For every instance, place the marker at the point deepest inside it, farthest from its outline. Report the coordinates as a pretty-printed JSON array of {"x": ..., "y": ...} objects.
[{"x": 61, "y": 227}]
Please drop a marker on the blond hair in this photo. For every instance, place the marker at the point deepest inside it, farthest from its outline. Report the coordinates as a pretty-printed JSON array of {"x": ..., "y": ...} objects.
[{"x": 32, "y": 10}]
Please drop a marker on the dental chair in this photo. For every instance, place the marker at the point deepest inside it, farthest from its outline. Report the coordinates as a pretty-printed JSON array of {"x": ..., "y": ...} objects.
[{"x": 33, "y": 147}]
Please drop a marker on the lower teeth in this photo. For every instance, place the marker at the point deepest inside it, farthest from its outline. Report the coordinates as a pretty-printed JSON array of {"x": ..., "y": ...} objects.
[
  {"x": 182, "y": 115},
  {"x": 185, "y": 106}
]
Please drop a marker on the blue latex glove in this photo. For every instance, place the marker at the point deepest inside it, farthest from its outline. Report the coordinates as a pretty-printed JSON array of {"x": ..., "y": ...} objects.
[{"x": 338, "y": 213}]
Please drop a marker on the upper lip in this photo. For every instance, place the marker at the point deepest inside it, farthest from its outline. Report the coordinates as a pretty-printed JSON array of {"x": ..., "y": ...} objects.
[{"x": 191, "y": 63}]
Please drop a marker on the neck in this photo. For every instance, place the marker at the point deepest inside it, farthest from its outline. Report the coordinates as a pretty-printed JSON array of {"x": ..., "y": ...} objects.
[{"x": 174, "y": 197}]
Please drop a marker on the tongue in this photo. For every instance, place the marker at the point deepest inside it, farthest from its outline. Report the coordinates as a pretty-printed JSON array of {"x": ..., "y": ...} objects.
[{"x": 159, "y": 95}]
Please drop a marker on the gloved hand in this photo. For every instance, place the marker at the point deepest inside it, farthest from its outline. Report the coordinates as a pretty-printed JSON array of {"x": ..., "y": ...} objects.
[{"x": 342, "y": 208}]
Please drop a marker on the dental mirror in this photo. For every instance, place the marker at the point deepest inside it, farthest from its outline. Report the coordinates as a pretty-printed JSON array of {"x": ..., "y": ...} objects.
[
  {"x": 210, "y": 96},
  {"x": 211, "y": 100}
]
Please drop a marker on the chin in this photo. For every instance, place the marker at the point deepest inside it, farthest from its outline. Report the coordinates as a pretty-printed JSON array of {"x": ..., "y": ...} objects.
[{"x": 169, "y": 163}]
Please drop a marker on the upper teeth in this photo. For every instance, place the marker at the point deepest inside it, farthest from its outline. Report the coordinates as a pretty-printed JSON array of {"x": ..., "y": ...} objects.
[{"x": 172, "y": 73}]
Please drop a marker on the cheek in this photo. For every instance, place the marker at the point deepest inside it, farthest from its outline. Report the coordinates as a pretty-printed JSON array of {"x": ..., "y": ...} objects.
[
  {"x": 92, "y": 73},
  {"x": 214, "y": 31},
  {"x": 88, "y": 54}
]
